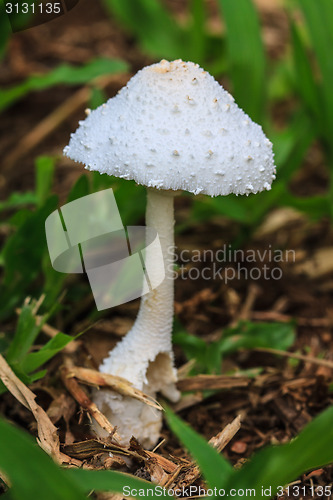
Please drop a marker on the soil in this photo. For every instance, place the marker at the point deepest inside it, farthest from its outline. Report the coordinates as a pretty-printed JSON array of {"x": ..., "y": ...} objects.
[{"x": 285, "y": 396}]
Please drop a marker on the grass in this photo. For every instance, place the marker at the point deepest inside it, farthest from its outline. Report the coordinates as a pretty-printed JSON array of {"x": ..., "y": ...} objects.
[
  {"x": 241, "y": 54},
  {"x": 64, "y": 74},
  {"x": 246, "y": 335},
  {"x": 304, "y": 77},
  {"x": 40, "y": 476}
]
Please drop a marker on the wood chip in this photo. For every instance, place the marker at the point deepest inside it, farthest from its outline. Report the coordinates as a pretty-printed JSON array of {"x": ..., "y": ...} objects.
[
  {"x": 317, "y": 266},
  {"x": 221, "y": 440},
  {"x": 278, "y": 219},
  {"x": 315, "y": 473},
  {"x": 192, "y": 472},
  {"x": 239, "y": 447},
  {"x": 166, "y": 464},
  {"x": 294, "y": 418},
  {"x": 203, "y": 382}
]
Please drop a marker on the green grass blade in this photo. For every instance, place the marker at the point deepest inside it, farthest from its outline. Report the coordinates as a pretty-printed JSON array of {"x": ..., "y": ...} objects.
[
  {"x": 21, "y": 258},
  {"x": 291, "y": 145},
  {"x": 44, "y": 167},
  {"x": 214, "y": 467},
  {"x": 245, "y": 335},
  {"x": 315, "y": 207},
  {"x": 80, "y": 188},
  {"x": 25, "y": 335},
  {"x": 246, "y": 55},
  {"x": 7, "y": 496},
  {"x": 231, "y": 206},
  {"x": 319, "y": 20},
  {"x": 31, "y": 472},
  {"x": 17, "y": 200},
  {"x": 197, "y": 31},
  {"x": 279, "y": 465},
  {"x": 306, "y": 85},
  {"x": 64, "y": 74},
  {"x": 248, "y": 335},
  {"x": 36, "y": 359},
  {"x": 105, "y": 480},
  {"x": 150, "y": 22}
]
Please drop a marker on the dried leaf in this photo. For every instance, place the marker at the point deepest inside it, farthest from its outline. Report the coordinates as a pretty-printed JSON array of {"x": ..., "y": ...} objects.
[
  {"x": 48, "y": 438},
  {"x": 117, "y": 384}
]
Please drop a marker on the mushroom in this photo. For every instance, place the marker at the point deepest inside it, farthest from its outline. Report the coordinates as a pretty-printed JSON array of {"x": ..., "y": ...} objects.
[{"x": 172, "y": 127}]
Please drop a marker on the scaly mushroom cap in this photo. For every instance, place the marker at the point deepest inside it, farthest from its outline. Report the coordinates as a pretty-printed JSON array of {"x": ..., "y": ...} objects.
[{"x": 174, "y": 127}]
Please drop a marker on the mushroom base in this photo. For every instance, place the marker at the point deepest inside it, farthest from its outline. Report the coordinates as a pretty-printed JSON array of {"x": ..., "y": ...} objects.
[{"x": 132, "y": 417}]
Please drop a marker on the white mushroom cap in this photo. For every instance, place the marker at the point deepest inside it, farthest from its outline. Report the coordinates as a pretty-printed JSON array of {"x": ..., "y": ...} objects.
[{"x": 174, "y": 127}]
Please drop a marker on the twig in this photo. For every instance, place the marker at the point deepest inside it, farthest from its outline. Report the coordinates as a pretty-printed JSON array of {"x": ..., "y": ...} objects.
[
  {"x": 252, "y": 294},
  {"x": 81, "y": 397},
  {"x": 301, "y": 357},
  {"x": 286, "y": 318},
  {"x": 158, "y": 445},
  {"x": 44, "y": 128},
  {"x": 118, "y": 384},
  {"x": 221, "y": 440},
  {"x": 5, "y": 479},
  {"x": 202, "y": 382},
  {"x": 174, "y": 476},
  {"x": 185, "y": 368}
]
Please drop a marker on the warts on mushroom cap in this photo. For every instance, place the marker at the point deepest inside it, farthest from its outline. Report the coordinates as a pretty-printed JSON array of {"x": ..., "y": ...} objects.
[{"x": 176, "y": 106}]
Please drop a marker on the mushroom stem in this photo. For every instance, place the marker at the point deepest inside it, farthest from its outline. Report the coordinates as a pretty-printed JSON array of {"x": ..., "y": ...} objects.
[
  {"x": 144, "y": 356},
  {"x": 152, "y": 329}
]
